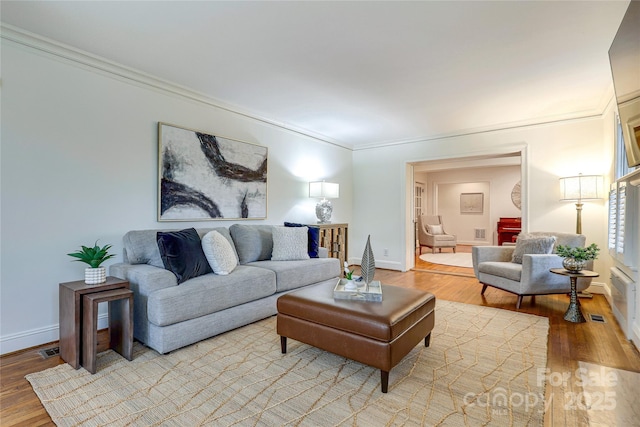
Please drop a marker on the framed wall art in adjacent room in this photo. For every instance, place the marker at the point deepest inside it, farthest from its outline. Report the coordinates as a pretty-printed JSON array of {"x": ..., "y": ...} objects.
[
  {"x": 471, "y": 202},
  {"x": 204, "y": 177}
]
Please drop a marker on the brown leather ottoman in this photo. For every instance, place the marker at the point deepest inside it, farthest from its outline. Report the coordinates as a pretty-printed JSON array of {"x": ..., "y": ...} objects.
[{"x": 378, "y": 334}]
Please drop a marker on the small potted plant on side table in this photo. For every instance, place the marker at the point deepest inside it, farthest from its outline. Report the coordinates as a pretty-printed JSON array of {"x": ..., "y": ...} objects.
[
  {"x": 575, "y": 259},
  {"x": 94, "y": 256}
]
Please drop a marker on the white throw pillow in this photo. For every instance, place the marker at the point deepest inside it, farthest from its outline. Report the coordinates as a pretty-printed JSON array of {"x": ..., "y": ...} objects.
[
  {"x": 290, "y": 243},
  {"x": 219, "y": 253},
  {"x": 435, "y": 229}
]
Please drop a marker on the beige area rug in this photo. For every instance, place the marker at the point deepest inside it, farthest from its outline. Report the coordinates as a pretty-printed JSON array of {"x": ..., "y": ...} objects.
[
  {"x": 480, "y": 369},
  {"x": 449, "y": 258}
]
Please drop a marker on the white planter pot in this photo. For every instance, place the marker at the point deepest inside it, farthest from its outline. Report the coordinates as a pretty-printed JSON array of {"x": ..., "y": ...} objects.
[
  {"x": 95, "y": 276},
  {"x": 350, "y": 285}
]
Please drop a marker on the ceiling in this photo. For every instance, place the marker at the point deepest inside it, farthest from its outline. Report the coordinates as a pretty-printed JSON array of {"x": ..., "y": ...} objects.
[{"x": 361, "y": 73}]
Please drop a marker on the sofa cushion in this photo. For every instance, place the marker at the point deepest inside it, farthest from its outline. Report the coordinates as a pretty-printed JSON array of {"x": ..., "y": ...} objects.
[
  {"x": 290, "y": 243},
  {"x": 295, "y": 274},
  {"x": 181, "y": 253},
  {"x": 219, "y": 252},
  {"x": 208, "y": 294},
  {"x": 508, "y": 270},
  {"x": 442, "y": 238},
  {"x": 252, "y": 242},
  {"x": 313, "y": 238},
  {"x": 526, "y": 244}
]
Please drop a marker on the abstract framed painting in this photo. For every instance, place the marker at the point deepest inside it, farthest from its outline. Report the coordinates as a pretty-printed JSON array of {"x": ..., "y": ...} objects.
[{"x": 205, "y": 177}]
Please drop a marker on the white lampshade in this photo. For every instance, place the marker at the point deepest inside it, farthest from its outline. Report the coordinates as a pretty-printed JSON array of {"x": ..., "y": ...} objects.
[
  {"x": 582, "y": 187},
  {"x": 324, "y": 190}
]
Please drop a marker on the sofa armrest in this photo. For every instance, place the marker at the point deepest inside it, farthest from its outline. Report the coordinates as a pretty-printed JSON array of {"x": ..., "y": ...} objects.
[
  {"x": 490, "y": 253},
  {"x": 143, "y": 278},
  {"x": 536, "y": 277}
]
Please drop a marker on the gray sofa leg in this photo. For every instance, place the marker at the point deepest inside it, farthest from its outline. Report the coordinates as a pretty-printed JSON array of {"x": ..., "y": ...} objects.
[
  {"x": 519, "y": 302},
  {"x": 484, "y": 288}
]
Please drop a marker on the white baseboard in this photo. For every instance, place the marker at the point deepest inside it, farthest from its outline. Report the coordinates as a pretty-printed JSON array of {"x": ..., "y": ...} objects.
[
  {"x": 36, "y": 337},
  {"x": 600, "y": 288},
  {"x": 389, "y": 265}
]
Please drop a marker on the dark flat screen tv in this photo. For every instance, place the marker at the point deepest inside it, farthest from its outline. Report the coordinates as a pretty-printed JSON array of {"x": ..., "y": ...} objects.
[{"x": 624, "y": 56}]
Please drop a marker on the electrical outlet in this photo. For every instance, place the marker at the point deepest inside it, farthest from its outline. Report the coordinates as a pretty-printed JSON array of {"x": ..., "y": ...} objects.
[{"x": 386, "y": 252}]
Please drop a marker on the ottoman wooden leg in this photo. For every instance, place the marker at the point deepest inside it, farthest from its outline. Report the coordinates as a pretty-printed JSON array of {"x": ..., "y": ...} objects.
[
  {"x": 283, "y": 344},
  {"x": 384, "y": 380}
]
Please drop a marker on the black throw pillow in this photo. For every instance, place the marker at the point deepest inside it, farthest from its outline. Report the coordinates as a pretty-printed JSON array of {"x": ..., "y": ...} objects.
[
  {"x": 314, "y": 238},
  {"x": 181, "y": 253}
]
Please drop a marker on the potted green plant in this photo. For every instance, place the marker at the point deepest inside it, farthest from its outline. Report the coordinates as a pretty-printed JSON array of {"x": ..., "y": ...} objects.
[
  {"x": 94, "y": 256},
  {"x": 350, "y": 285},
  {"x": 575, "y": 258}
]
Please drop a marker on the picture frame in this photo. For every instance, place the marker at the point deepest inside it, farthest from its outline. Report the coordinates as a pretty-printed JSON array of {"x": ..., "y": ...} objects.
[
  {"x": 471, "y": 203},
  {"x": 203, "y": 177}
]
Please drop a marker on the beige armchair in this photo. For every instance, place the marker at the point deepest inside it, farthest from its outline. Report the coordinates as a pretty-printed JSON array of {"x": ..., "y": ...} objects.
[
  {"x": 431, "y": 234},
  {"x": 494, "y": 266}
]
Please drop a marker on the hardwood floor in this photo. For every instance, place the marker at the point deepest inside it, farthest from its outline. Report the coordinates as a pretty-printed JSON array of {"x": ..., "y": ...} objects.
[{"x": 597, "y": 343}]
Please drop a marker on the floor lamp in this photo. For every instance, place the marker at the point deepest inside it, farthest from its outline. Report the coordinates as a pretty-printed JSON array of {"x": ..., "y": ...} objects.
[{"x": 579, "y": 188}]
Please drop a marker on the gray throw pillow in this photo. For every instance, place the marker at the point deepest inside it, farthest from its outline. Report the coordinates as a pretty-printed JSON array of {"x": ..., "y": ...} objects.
[
  {"x": 252, "y": 242},
  {"x": 532, "y": 245},
  {"x": 290, "y": 243}
]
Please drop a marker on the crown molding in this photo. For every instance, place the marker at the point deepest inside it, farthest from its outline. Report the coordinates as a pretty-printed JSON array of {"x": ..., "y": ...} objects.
[
  {"x": 95, "y": 63},
  {"x": 489, "y": 129}
]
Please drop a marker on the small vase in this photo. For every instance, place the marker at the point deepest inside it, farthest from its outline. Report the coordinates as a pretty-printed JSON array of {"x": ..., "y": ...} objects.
[
  {"x": 573, "y": 265},
  {"x": 350, "y": 285},
  {"x": 95, "y": 276}
]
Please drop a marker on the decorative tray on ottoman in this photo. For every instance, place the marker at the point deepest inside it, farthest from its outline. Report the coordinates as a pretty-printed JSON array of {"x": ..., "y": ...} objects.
[{"x": 373, "y": 294}]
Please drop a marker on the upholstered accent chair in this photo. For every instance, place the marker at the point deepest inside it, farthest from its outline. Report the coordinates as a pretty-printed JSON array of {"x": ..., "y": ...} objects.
[
  {"x": 517, "y": 270},
  {"x": 431, "y": 234}
]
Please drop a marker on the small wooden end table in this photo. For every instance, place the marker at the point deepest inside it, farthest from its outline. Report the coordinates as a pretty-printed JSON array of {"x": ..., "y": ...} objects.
[
  {"x": 120, "y": 325},
  {"x": 71, "y": 313},
  {"x": 573, "y": 313}
]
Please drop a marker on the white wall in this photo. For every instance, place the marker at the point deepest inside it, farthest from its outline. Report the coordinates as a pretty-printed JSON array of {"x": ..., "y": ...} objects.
[
  {"x": 550, "y": 151},
  {"x": 79, "y": 163}
]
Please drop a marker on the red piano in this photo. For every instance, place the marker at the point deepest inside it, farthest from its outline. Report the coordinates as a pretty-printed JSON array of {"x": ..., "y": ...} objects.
[{"x": 508, "y": 230}]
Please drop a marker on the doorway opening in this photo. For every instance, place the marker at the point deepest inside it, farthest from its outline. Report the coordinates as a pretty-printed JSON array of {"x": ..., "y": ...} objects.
[{"x": 470, "y": 193}]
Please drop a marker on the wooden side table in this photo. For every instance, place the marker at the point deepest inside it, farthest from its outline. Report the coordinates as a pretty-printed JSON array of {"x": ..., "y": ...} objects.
[
  {"x": 334, "y": 237},
  {"x": 573, "y": 313},
  {"x": 120, "y": 324},
  {"x": 70, "y": 300}
]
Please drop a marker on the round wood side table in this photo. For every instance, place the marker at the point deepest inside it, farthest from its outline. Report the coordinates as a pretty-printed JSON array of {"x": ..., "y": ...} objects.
[{"x": 573, "y": 313}]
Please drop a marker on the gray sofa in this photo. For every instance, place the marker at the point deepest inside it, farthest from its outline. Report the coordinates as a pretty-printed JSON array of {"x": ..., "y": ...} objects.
[{"x": 168, "y": 315}]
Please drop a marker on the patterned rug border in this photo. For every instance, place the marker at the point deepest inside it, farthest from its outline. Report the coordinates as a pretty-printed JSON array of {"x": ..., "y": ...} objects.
[{"x": 468, "y": 376}]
